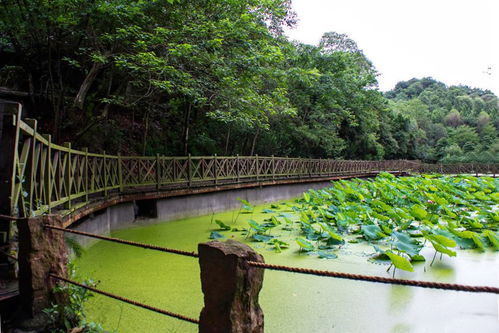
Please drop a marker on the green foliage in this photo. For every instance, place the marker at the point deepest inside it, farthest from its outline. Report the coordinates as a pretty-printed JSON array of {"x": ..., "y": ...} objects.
[
  {"x": 203, "y": 77},
  {"x": 304, "y": 244},
  {"x": 222, "y": 225},
  {"x": 245, "y": 205},
  {"x": 400, "y": 262},
  {"x": 451, "y": 124},
  {"x": 74, "y": 247},
  {"x": 216, "y": 235},
  {"x": 65, "y": 317},
  {"x": 398, "y": 215}
]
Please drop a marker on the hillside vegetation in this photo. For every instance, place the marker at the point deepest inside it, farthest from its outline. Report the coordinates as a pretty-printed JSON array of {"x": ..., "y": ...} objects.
[
  {"x": 450, "y": 124},
  {"x": 209, "y": 76}
]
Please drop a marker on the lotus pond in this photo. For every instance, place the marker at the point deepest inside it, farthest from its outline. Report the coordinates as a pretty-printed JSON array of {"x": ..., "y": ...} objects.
[{"x": 430, "y": 228}]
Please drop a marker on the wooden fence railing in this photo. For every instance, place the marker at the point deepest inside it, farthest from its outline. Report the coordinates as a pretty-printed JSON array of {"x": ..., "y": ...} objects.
[{"x": 47, "y": 176}]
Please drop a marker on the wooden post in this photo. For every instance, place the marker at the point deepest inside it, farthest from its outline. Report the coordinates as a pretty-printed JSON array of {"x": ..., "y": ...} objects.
[
  {"x": 273, "y": 167},
  {"x": 257, "y": 168},
  {"x": 189, "y": 170},
  {"x": 86, "y": 174},
  {"x": 230, "y": 287},
  {"x": 120, "y": 173},
  {"x": 67, "y": 175},
  {"x": 104, "y": 167},
  {"x": 215, "y": 169},
  {"x": 300, "y": 167},
  {"x": 237, "y": 167},
  {"x": 41, "y": 252},
  {"x": 48, "y": 173},
  {"x": 158, "y": 173},
  {"x": 15, "y": 159},
  {"x": 31, "y": 170}
]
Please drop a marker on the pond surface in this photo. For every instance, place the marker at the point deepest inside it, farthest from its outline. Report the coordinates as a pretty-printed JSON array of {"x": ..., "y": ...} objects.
[{"x": 291, "y": 302}]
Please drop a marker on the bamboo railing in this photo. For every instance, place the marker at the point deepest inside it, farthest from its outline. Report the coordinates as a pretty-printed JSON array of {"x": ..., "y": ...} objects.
[{"x": 47, "y": 176}]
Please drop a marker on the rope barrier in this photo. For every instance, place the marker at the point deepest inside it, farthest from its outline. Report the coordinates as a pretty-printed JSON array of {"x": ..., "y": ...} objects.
[
  {"x": 126, "y": 242},
  {"x": 378, "y": 279},
  {"x": 9, "y": 218},
  {"x": 126, "y": 300}
]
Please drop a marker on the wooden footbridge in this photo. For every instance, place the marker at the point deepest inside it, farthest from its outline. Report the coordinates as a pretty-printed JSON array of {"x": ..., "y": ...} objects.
[{"x": 41, "y": 178}]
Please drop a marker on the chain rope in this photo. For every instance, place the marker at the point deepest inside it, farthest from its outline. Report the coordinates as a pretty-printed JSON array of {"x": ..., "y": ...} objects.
[
  {"x": 378, "y": 279},
  {"x": 126, "y": 242}
]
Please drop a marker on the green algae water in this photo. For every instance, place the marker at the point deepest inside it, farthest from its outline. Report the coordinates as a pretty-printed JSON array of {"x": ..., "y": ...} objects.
[{"x": 291, "y": 302}]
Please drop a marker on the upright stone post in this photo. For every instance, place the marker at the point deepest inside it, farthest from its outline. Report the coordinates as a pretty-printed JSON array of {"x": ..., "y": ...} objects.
[
  {"x": 230, "y": 287},
  {"x": 41, "y": 251}
]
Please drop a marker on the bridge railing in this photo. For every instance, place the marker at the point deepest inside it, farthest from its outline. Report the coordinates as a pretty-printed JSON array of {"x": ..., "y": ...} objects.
[{"x": 47, "y": 176}]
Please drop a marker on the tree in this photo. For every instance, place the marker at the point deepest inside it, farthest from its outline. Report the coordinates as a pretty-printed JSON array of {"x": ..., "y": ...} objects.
[
  {"x": 464, "y": 136},
  {"x": 482, "y": 120},
  {"x": 453, "y": 118},
  {"x": 488, "y": 135}
]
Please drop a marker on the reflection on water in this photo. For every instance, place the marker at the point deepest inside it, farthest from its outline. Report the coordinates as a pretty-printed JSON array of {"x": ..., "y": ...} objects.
[
  {"x": 400, "y": 298},
  {"x": 291, "y": 302},
  {"x": 401, "y": 328}
]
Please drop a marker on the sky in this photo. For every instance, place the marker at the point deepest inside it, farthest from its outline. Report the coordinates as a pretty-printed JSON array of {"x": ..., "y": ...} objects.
[{"x": 453, "y": 41}]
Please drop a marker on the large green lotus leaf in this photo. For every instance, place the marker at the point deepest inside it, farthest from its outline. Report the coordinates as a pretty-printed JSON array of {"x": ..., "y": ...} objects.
[
  {"x": 372, "y": 232},
  {"x": 222, "y": 225},
  {"x": 379, "y": 216},
  {"x": 402, "y": 213},
  {"x": 400, "y": 262},
  {"x": 481, "y": 196},
  {"x": 443, "y": 249},
  {"x": 274, "y": 221},
  {"x": 493, "y": 238},
  {"x": 326, "y": 255},
  {"x": 305, "y": 244},
  {"x": 262, "y": 238},
  {"x": 442, "y": 240},
  {"x": 406, "y": 244},
  {"x": 216, "y": 235},
  {"x": 462, "y": 242},
  {"x": 255, "y": 226},
  {"x": 477, "y": 239},
  {"x": 418, "y": 212},
  {"x": 383, "y": 206},
  {"x": 403, "y": 237},
  {"x": 418, "y": 257},
  {"x": 410, "y": 249}
]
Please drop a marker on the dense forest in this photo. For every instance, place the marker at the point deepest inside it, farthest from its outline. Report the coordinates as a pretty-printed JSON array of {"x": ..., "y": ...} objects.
[
  {"x": 449, "y": 124},
  {"x": 220, "y": 77}
]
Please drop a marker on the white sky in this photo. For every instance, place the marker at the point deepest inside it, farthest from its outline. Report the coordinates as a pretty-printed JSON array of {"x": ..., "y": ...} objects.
[{"x": 453, "y": 41}]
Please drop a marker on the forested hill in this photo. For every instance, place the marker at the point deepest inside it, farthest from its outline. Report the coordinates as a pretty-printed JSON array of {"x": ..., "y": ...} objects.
[
  {"x": 450, "y": 123},
  {"x": 219, "y": 77}
]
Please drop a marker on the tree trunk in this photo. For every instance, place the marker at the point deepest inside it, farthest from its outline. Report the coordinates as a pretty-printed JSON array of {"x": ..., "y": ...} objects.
[
  {"x": 185, "y": 134},
  {"x": 253, "y": 144},
  {"x": 227, "y": 142},
  {"x": 79, "y": 100}
]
